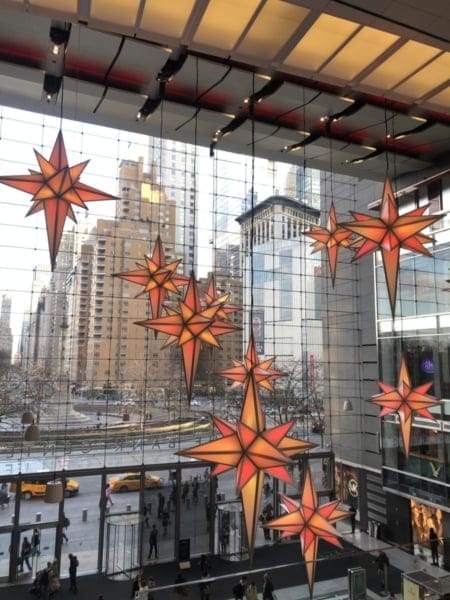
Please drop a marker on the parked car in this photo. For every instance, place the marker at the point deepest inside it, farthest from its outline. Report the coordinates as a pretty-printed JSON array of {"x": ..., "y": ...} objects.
[
  {"x": 36, "y": 488},
  {"x": 131, "y": 482}
]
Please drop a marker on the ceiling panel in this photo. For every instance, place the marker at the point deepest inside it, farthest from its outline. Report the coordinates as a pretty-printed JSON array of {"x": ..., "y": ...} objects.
[
  {"x": 273, "y": 26},
  {"x": 363, "y": 48},
  {"x": 165, "y": 17},
  {"x": 69, "y": 6},
  {"x": 441, "y": 99},
  {"x": 115, "y": 11},
  {"x": 405, "y": 61},
  {"x": 325, "y": 36},
  {"x": 428, "y": 78}
]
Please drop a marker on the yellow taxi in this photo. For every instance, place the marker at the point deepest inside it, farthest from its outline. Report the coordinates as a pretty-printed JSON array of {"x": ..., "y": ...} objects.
[
  {"x": 131, "y": 482},
  {"x": 36, "y": 488}
]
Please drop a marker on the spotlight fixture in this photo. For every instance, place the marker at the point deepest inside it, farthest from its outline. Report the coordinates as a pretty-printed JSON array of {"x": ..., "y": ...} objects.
[
  {"x": 347, "y": 112},
  {"x": 359, "y": 161},
  {"x": 422, "y": 127},
  {"x": 148, "y": 108},
  {"x": 220, "y": 133},
  {"x": 173, "y": 64},
  {"x": 59, "y": 37},
  {"x": 312, "y": 137},
  {"x": 52, "y": 85},
  {"x": 267, "y": 90}
]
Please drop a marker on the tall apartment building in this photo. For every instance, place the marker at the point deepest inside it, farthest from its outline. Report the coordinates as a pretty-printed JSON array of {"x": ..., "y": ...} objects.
[
  {"x": 111, "y": 350},
  {"x": 6, "y": 338}
]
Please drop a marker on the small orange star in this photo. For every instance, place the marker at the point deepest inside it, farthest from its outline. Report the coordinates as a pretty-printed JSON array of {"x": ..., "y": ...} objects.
[
  {"x": 212, "y": 298},
  {"x": 190, "y": 327},
  {"x": 311, "y": 521},
  {"x": 156, "y": 278},
  {"x": 251, "y": 449},
  {"x": 405, "y": 401},
  {"x": 389, "y": 233},
  {"x": 331, "y": 237},
  {"x": 55, "y": 189}
]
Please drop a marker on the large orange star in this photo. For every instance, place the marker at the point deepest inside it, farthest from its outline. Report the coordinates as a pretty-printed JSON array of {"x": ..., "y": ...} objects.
[
  {"x": 156, "y": 278},
  {"x": 389, "y": 233},
  {"x": 331, "y": 237},
  {"x": 405, "y": 401},
  {"x": 190, "y": 327},
  {"x": 56, "y": 189},
  {"x": 311, "y": 521},
  {"x": 252, "y": 450}
]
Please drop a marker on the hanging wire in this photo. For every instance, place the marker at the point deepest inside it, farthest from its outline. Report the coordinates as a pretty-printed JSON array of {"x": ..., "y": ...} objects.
[{"x": 251, "y": 111}]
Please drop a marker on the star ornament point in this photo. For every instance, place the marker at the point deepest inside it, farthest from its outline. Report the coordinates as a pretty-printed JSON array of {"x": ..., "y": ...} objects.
[
  {"x": 311, "y": 521},
  {"x": 331, "y": 238},
  {"x": 406, "y": 401},
  {"x": 56, "y": 189},
  {"x": 157, "y": 278},
  {"x": 389, "y": 233}
]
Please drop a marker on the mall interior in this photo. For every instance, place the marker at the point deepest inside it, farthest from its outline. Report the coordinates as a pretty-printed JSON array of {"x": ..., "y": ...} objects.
[{"x": 260, "y": 157}]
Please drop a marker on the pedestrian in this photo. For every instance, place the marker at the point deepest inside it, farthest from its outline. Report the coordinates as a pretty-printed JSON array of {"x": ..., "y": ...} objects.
[
  {"x": 4, "y": 495},
  {"x": 135, "y": 586},
  {"x": 180, "y": 589},
  {"x": 143, "y": 589},
  {"x": 165, "y": 520},
  {"x": 43, "y": 581},
  {"x": 161, "y": 502},
  {"x": 205, "y": 566},
  {"x": 251, "y": 592},
  {"x": 434, "y": 546},
  {"x": 36, "y": 542},
  {"x": 352, "y": 511},
  {"x": 153, "y": 542},
  {"x": 108, "y": 495},
  {"x": 185, "y": 491},
  {"x": 25, "y": 553},
  {"x": 73, "y": 566},
  {"x": 151, "y": 584},
  {"x": 240, "y": 588},
  {"x": 195, "y": 488},
  {"x": 382, "y": 563},
  {"x": 65, "y": 525},
  {"x": 205, "y": 590},
  {"x": 267, "y": 591}
]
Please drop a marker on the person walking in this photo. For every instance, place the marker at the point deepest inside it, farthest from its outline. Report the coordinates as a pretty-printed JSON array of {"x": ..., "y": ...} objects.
[
  {"x": 434, "y": 546},
  {"x": 25, "y": 553},
  {"x": 108, "y": 495},
  {"x": 205, "y": 590},
  {"x": 65, "y": 525},
  {"x": 240, "y": 588},
  {"x": 153, "y": 542},
  {"x": 267, "y": 591},
  {"x": 135, "y": 586},
  {"x": 161, "y": 503},
  {"x": 36, "y": 542},
  {"x": 205, "y": 566},
  {"x": 73, "y": 566},
  {"x": 352, "y": 511},
  {"x": 251, "y": 592},
  {"x": 382, "y": 563}
]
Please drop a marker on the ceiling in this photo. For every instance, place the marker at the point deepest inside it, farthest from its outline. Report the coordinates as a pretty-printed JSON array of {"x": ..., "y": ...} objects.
[{"x": 331, "y": 83}]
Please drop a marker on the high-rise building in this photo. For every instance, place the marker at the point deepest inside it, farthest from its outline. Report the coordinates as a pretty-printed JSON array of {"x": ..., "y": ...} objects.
[{"x": 6, "y": 338}]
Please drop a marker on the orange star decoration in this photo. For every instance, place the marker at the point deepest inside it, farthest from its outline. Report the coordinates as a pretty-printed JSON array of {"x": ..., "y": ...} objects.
[
  {"x": 389, "y": 233},
  {"x": 247, "y": 445},
  {"x": 191, "y": 327},
  {"x": 156, "y": 278},
  {"x": 405, "y": 401},
  {"x": 311, "y": 521},
  {"x": 56, "y": 189},
  {"x": 212, "y": 297},
  {"x": 331, "y": 237}
]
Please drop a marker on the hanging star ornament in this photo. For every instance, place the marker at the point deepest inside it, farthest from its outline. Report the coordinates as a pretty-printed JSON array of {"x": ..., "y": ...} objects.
[
  {"x": 157, "y": 278},
  {"x": 389, "y": 233},
  {"x": 332, "y": 238},
  {"x": 56, "y": 190},
  {"x": 311, "y": 521},
  {"x": 190, "y": 327},
  {"x": 405, "y": 401},
  {"x": 249, "y": 447},
  {"x": 212, "y": 297}
]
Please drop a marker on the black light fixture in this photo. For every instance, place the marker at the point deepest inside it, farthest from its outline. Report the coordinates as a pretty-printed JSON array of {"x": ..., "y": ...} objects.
[
  {"x": 309, "y": 139},
  {"x": 422, "y": 127},
  {"x": 268, "y": 89},
  {"x": 173, "y": 64},
  {"x": 346, "y": 112},
  {"x": 148, "y": 108},
  {"x": 359, "y": 161},
  {"x": 52, "y": 85},
  {"x": 59, "y": 36},
  {"x": 232, "y": 126}
]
